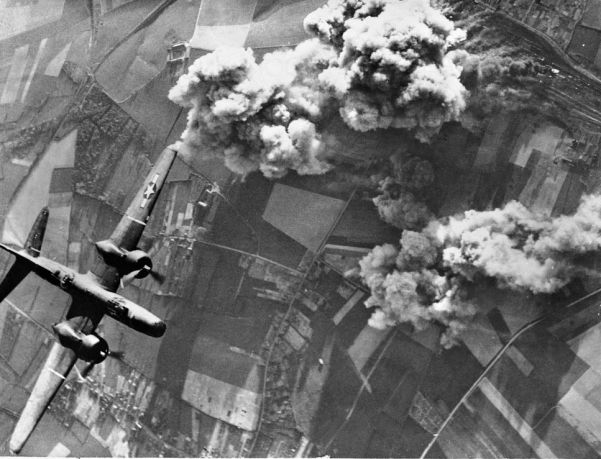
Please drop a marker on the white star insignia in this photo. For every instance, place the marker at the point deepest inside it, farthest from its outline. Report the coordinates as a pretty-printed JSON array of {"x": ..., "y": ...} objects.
[{"x": 150, "y": 190}]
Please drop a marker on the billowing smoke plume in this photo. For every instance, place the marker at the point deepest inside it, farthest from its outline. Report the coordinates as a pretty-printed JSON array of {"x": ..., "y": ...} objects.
[
  {"x": 256, "y": 116},
  {"x": 498, "y": 81},
  {"x": 406, "y": 287},
  {"x": 399, "y": 207},
  {"x": 397, "y": 202},
  {"x": 423, "y": 280},
  {"x": 378, "y": 63},
  {"x": 393, "y": 68}
]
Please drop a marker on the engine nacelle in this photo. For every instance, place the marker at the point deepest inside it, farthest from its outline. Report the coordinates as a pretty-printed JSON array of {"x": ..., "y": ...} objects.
[
  {"x": 125, "y": 261},
  {"x": 140, "y": 261},
  {"x": 91, "y": 348}
]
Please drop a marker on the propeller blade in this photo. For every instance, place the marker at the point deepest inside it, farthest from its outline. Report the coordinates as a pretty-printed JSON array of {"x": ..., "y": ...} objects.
[
  {"x": 157, "y": 276},
  {"x": 128, "y": 278},
  {"x": 79, "y": 375},
  {"x": 117, "y": 354},
  {"x": 87, "y": 370}
]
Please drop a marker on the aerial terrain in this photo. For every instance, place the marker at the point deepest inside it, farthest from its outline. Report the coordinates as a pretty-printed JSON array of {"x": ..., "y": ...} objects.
[{"x": 381, "y": 236}]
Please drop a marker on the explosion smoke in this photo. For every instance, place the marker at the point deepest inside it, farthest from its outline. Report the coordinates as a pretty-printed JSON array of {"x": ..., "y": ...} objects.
[
  {"x": 386, "y": 64},
  {"x": 256, "y": 116},
  {"x": 414, "y": 173},
  {"x": 393, "y": 63},
  {"x": 397, "y": 204},
  {"x": 422, "y": 280},
  {"x": 380, "y": 63},
  {"x": 498, "y": 76},
  {"x": 399, "y": 207}
]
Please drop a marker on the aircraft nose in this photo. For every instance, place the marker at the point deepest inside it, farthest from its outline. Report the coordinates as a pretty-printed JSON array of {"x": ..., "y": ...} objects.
[
  {"x": 159, "y": 328},
  {"x": 58, "y": 328}
]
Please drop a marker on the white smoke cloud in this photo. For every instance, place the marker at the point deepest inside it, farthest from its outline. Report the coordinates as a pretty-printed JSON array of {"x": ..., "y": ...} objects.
[
  {"x": 256, "y": 116},
  {"x": 379, "y": 63},
  {"x": 377, "y": 263},
  {"x": 394, "y": 67},
  {"x": 518, "y": 248},
  {"x": 416, "y": 252},
  {"x": 419, "y": 298},
  {"x": 504, "y": 244}
]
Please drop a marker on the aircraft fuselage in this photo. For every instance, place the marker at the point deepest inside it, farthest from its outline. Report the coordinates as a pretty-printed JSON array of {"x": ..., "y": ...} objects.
[{"x": 86, "y": 286}]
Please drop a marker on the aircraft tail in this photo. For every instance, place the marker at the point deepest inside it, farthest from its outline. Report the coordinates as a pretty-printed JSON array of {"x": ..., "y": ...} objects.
[{"x": 33, "y": 245}]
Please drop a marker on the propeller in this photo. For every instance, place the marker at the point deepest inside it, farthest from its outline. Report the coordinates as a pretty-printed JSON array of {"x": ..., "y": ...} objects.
[
  {"x": 156, "y": 276},
  {"x": 118, "y": 355}
]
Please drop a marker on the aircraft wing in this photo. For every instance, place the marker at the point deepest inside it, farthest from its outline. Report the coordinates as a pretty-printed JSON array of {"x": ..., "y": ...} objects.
[
  {"x": 15, "y": 274},
  {"x": 55, "y": 370},
  {"x": 129, "y": 229},
  {"x": 59, "y": 363}
]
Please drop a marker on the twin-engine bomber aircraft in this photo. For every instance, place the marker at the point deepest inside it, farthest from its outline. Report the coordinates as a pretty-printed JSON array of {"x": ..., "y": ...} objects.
[{"x": 93, "y": 295}]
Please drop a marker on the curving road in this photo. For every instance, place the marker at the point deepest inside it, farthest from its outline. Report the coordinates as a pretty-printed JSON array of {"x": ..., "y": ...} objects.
[{"x": 283, "y": 323}]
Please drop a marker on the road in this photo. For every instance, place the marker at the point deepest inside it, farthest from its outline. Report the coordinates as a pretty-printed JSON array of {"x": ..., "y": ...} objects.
[
  {"x": 287, "y": 315},
  {"x": 242, "y": 252},
  {"x": 349, "y": 415},
  {"x": 493, "y": 361}
]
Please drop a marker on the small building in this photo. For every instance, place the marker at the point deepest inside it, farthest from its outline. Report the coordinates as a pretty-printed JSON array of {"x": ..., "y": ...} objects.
[{"x": 178, "y": 57}]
